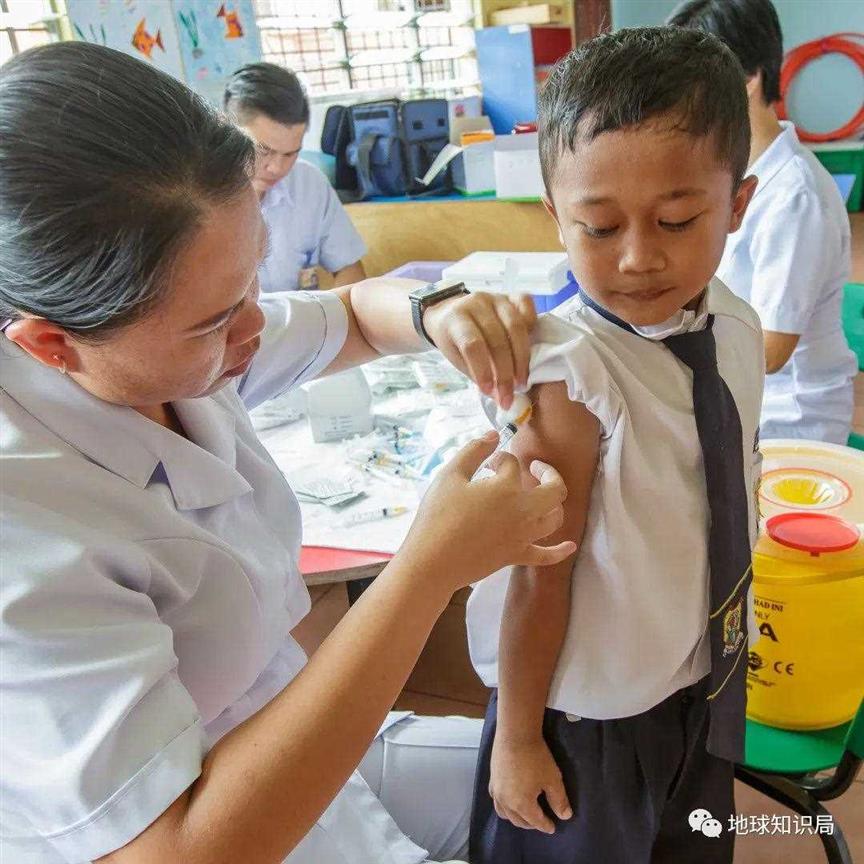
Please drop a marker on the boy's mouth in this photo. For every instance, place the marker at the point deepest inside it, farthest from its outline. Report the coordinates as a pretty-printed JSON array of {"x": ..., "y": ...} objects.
[{"x": 647, "y": 295}]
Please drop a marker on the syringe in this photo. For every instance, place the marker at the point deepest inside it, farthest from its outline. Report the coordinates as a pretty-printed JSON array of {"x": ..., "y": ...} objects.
[{"x": 518, "y": 414}]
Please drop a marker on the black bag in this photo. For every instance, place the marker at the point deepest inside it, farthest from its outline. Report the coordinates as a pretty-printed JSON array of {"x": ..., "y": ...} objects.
[{"x": 383, "y": 148}]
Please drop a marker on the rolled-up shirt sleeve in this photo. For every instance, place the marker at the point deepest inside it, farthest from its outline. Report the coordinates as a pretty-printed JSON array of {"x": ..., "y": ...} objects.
[
  {"x": 99, "y": 734},
  {"x": 788, "y": 266},
  {"x": 303, "y": 334}
]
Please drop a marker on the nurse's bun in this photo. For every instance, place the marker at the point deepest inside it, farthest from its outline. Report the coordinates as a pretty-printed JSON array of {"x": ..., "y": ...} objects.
[{"x": 107, "y": 166}]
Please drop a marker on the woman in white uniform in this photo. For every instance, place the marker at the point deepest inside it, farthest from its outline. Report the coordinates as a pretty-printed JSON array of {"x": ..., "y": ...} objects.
[
  {"x": 308, "y": 224},
  {"x": 154, "y": 705}
]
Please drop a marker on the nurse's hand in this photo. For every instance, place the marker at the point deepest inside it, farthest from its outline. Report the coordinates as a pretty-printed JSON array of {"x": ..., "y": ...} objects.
[
  {"x": 488, "y": 337},
  {"x": 480, "y": 526}
]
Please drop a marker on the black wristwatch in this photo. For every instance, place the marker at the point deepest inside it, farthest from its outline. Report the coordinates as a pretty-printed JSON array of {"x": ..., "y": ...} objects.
[{"x": 427, "y": 296}]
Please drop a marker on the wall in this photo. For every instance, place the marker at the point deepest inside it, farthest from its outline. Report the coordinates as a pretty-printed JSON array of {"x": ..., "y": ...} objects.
[{"x": 828, "y": 91}]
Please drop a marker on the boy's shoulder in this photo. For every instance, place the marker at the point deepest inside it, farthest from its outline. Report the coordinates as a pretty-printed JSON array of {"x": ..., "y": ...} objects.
[{"x": 723, "y": 302}]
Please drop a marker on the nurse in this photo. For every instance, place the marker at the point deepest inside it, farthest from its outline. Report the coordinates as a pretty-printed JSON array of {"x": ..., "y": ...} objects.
[
  {"x": 154, "y": 705},
  {"x": 308, "y": 225},
  {"x": 791, "y": 256}
]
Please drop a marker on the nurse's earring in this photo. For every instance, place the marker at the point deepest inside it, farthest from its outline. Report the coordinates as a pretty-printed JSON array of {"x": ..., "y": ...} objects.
[{"x": 61, "y": 363}]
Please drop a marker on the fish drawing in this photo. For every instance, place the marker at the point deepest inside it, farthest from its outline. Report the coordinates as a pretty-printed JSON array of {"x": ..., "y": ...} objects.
[
  {"x": 233, "y": 27},
  {"x": 144, "y": 42}
]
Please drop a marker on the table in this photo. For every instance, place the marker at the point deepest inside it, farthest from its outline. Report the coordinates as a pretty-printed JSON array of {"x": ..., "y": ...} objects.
[{"x": 338, "y": 553}]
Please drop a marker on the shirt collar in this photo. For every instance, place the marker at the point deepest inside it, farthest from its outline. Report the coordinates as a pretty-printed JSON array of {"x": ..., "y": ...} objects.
[
  {"x": 200, "y": 472},
  {"x": 278, "y": 195},
  {"x": 779, "y": 152}
]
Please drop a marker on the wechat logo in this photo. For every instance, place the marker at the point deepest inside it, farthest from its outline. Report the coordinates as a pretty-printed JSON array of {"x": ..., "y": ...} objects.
[{"x": 702, "y": 820}]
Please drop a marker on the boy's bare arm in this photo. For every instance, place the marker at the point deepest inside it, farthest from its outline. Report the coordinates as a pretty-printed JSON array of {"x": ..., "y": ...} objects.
[{"x": 536, "y": 612}]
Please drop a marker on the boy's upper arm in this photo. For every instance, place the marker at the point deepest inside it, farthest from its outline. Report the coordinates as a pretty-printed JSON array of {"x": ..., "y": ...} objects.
[{"x": 566, "y": 435}]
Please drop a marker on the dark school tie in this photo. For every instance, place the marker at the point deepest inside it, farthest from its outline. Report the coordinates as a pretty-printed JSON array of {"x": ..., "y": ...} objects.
[
  {"x": 729, "y": 553},
  {"x": 718, "y": 426}
]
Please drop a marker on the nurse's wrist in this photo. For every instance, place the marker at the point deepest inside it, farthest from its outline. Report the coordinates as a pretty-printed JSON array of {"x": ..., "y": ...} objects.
[{"x": 430, "y": 584}]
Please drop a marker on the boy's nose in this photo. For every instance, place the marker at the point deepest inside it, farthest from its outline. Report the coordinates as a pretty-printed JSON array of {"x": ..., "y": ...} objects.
[{"x": 641, "y": 255}]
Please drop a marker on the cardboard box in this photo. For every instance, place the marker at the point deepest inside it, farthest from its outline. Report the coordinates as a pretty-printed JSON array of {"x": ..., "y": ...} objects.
[
  {"x": 535, "y": 13},
  {"x": 474, "y": 167},
  {"x": 517, "y": 167}
]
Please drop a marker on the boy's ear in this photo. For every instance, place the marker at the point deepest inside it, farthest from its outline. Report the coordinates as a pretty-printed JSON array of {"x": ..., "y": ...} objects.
[
  {"x": 741, "y": 200},
  {"x": 550, "y": 209}
]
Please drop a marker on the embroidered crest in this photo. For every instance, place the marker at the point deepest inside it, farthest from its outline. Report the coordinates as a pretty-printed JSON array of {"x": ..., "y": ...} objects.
[{"x": 733, "y": 635}]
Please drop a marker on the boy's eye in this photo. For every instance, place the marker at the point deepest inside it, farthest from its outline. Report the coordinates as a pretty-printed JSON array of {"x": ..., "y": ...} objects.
[
  {"x": 221, "y": 328},
  {"x": 679, "y": 226},
  {"x": 593, "y": 231}
]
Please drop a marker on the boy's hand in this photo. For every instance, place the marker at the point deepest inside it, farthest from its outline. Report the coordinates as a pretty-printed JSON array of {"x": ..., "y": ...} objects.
[{"x": 519, "y": 774}]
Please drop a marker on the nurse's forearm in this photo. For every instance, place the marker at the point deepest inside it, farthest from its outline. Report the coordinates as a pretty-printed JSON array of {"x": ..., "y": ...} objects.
[{"x": 267, "y": 782}]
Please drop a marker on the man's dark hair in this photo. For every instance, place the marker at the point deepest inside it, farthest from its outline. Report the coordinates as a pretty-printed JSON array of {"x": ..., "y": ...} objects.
[
  {"x": 264, "y": 88},
  {"x": 750, "y": 28},
  {"x": 624, "y": 79}
]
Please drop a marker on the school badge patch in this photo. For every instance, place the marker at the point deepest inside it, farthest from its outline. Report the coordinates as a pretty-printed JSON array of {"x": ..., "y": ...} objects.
[{"x": 733, "y": 635}]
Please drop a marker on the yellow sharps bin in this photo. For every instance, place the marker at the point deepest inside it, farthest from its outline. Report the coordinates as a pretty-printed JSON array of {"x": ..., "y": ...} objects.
[{"x": 807, "y": 669}]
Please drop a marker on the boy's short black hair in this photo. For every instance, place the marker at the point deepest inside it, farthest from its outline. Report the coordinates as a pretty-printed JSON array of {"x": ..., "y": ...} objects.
[
  {"x": 268, "y": 89},
  {"x": 750, "y": 28},
  {"x": 623, "y": 79}
]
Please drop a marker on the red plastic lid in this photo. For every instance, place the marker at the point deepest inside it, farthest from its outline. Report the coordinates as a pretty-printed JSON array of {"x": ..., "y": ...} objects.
[{"x": 813, "y": 532}]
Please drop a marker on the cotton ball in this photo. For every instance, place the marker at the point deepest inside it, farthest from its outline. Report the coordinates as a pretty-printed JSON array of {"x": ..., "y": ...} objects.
[{"x": 521, "y": 404}]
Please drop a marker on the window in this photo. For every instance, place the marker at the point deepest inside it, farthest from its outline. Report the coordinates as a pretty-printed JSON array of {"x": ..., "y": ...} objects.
[
  {"x": 25, "y": 24},
  {"x": 424, "y": 46}
]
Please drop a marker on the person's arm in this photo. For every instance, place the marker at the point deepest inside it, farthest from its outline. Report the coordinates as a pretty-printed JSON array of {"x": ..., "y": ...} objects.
[
  {"x": 265, "y": 783},
  {"x": 778, "y": 349},
  {"x": 535, "y": 619},
  {"x": 792, "y": 253},
  {"x": 349, "y": 275},
  {"x": 486, "y": 336}
]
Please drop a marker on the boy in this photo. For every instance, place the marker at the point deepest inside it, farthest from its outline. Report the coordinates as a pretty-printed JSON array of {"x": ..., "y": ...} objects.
[
  {"x": 620, "y": 672},
  {"x": 791, "y": 257}
]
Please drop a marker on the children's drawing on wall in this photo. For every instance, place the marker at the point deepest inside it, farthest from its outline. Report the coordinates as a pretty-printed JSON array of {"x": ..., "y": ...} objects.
[
  {"x": 233, "y": 27},
  {"x": 190, "y": 31},
  {"x": 216, "y": 38},
  {"x": 97, "y": 37},
  {"x": 145, "y": 42},
  {"x": 201, "y": 42},
  {"x": 146, "y": 29}
]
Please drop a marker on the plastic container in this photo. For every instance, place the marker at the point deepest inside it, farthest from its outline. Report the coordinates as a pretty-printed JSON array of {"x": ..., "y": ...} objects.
[
  {"x": 543, "y": 275},
  {"x": 807, "y": 669},
  {"x": 339, "y": 406},
  {"x": 844, "y": 157}
]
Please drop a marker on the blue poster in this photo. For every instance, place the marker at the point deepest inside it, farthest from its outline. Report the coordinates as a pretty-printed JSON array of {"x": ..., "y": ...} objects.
[
  {"x": 143, "y": 28},
  {"x": 215, "y": 39}
]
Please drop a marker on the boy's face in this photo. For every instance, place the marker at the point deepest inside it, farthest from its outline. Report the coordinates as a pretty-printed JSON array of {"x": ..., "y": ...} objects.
[{"x": 643, "y": 214}]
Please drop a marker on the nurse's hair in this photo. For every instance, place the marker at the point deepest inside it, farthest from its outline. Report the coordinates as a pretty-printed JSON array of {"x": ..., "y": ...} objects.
[
  {"x": 264, "y": 88},
  {"x": 107, "y": 167},
  {"x": 682, "y": 80},
  {"x": 750, "y": 28}
]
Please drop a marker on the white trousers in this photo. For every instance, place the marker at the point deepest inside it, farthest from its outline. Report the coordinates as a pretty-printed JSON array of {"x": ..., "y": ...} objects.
[{"x": 408, "y": 803}]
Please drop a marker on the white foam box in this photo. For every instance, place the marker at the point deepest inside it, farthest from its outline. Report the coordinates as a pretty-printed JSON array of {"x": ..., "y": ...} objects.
[
  {"x": 517, "y": 166},
  {"x": 543, "y": 275}
]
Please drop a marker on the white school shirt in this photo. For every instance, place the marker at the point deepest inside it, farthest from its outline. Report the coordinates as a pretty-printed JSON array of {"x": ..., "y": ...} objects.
[
  {"x": 790, "y": 260},
  {"x": 149, "y": 586},
  {"x": 308, "y": 226},
  {"x": 639, "y": 600}
]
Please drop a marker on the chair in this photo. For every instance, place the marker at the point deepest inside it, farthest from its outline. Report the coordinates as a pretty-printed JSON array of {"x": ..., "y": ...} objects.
[
  {"x": 782, "y": 764},
  {"x": 852, "y": 315}
]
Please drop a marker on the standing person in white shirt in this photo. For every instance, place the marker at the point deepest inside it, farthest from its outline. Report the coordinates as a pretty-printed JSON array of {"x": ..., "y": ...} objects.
[
  {"x": 621, "y": 672},
  {"x": 154, "y": 705},
  {"x": 307, "y": 223},
  {"x": 791, "y": 257}
]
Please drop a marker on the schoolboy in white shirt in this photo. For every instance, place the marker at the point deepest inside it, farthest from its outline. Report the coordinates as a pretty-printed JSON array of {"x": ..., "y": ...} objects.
[
  {"x": 620, "y": 673},
  {"x": 791, "y": 257}
]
